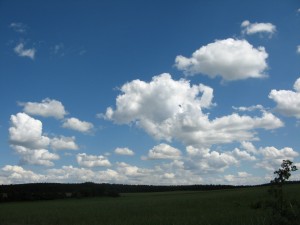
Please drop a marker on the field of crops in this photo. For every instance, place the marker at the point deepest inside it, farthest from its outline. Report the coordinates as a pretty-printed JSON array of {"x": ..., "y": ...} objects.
[{"x": 232, "y": 207}]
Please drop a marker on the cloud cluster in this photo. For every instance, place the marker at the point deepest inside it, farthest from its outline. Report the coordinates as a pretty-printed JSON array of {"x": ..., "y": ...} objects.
[
  {"x": 198, "y": 165},
  {"x": 27, "y": 139},
  {"x": 231, "y": 59},
  {"x": 53, "y": 108},
  {"x": 168, "y": 109},
  {"x": 18, "y": 27},
  {"x": 17, "y": 174},
  {"x": 254, "y": 28},
  {"x": 206, "y": 160},
  {"x": 288, "y": 101},
  {"x": 75, "y": 174}
]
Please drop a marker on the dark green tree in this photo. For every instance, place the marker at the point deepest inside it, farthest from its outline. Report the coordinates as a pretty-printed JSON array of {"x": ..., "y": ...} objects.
[
  {"x": 284, "y": 173},
  {"x": 283, "y": 211}
]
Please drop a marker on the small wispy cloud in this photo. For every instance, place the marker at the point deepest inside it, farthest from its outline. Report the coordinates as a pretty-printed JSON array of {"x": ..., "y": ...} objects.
[
  {"x": 19, "y": 27},
  {"x": 298, "y": 49},
  {"x": 82, "y": 52},
  {"x": 58, "y": 49},
  {"x": 249, "y": 109},
  {"x": 253, "y": 28},
  {"x": 22, "y": 52}
]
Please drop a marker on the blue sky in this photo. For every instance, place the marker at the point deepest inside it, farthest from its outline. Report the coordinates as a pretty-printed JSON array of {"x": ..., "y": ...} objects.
[{"x": 148, "y": 92}]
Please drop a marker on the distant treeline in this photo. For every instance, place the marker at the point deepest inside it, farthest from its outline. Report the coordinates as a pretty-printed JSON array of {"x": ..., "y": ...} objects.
[{"x": 49, "y": 191}]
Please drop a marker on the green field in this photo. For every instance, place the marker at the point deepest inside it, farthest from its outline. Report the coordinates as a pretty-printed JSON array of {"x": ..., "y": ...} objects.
[{"x": 221, "y": 207}]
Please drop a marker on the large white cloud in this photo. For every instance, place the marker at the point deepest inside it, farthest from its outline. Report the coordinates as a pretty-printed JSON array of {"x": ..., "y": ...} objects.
[
  {"x": 253, "y": 28},
  {"x": 85, "y": 160},
  {"x": 232, "y": 59},
  {"x": 17, "y": 174},
  {"x": 164, "y": 151},
  {"x": 35, "y": 156},
  {"x": 274, "y": 153},
  {"x": 206, "y": 160},
  {"x": 28, "y": 141},
  {"x": 142, "y": 100},
  {"x": 46, "y": 108},
  {"x": 288, "y": 102},
  {"x": 78, "y": 125},
  {"x": 21, "y": 51},
  {"x": 168, "y": 109},
  {"x": 27, "y": 131},
  {"x": 272, "y": 157},
  {"x": 62, "y": 142}
]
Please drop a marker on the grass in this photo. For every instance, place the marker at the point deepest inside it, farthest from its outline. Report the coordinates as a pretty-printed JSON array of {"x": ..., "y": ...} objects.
[{"x": 222, "y": 207}]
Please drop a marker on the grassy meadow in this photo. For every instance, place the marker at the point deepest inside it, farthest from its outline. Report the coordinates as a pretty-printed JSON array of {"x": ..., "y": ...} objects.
[{"x": 232, "y": 207}]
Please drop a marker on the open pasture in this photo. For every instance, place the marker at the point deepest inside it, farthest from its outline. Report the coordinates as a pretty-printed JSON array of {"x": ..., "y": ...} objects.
[{"x": 222, "y": 207}]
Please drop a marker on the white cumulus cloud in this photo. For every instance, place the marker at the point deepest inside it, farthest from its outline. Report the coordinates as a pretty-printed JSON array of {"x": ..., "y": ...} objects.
[
  {"x": 274, "y": 153},
  {"x": 62, "y": 143},
  {"x": 21, "y": 51},
  {"x": 164, "y": 151},
  {"x": 85, "y": 160},
  {"x": 46, "y": 108},
  {"x": 124, "y": 151},
  {"x": 207, "y": 160},
  {"x": 249, "y": 147},
  {"x": 168, "y": 109},
  {"x": 254, "y": 28},
  {"x": 78, "y": 125},
  {"x": 288, "y": 101},
  {"x": 142, "y": 100},
  {"x": 35, "y": 156},
  {"x": 132, "y": 171},
  {"x": 18, "y": 175},
  {"x": 273, "y": 157},
  {"x": 231, "y": 59},
  {"x": 27, "y": 131},
  {"x": 27, "y": 140}
]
